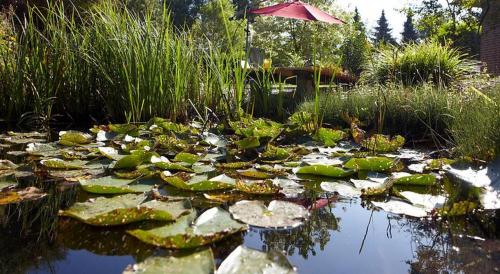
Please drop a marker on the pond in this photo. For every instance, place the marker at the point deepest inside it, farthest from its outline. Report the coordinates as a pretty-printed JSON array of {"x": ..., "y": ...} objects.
[{"x": 311, "y": 223}]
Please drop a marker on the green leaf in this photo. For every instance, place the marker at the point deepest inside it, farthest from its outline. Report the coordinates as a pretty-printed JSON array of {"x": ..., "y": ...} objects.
[
  {"x": 6, "y": 165},
  {"x": 45, "y": 150},
  {"x": 279, "y": 214},
  {"x": 55, "y": 163},
  {"x": 211, "y": 226},
  {"x": 125, "y": 209},
  {"x": 173, "y": 167},
  {"x": 275, "y": 153},
  {"x": 255, "y": 174},
  {"x": 198, "y": 182},
  {"x": 112, "y": 185},
  {"x": 249, "y": 142},
  {"x": 201, "y": 262},
  {"x": 133, "y": 160},
  {"x": 74, "y": 138},
  {"x": 129, "y": 129},
  {"x": 246, "y": 260},
  {"x": 260, "y": 187},
  {"x": 187, "y": 158},
  {"x": 370, "y": 163},
  {"x": 417, "y": 180},
  {"x": 329, "y": 137},
  {"x": 235, "y": 165},
  {"x": 325, "y": 170},
  {"x": 381, "y": 143}
]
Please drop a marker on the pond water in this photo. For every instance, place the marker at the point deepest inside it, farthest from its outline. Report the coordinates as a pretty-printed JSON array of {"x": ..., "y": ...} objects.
[{"x": 343, "y": 233}]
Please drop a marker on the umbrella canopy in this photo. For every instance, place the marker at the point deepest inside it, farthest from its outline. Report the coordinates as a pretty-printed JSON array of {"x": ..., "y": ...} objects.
[{"x": 297, "y": 10}]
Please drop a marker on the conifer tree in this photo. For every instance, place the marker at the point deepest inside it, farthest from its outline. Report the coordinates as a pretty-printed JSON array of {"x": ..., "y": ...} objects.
[
  {"x": 409, "y": 33},
  {"x": 383, "y": 31}
]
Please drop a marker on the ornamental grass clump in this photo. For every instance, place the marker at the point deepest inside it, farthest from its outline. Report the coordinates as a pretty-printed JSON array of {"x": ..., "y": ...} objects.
[{"x": 416, "y": 64}]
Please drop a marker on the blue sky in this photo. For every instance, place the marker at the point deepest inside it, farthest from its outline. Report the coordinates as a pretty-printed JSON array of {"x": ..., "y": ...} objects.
[{"x": 370, "y": 11}]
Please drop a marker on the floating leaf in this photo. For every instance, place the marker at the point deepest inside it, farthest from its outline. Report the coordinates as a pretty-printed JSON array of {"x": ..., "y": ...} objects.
[
  {"x": 428, "y": 201},
  {"x": 46, "y": 150},
  {"x": 261, "y": 187},
  {"x": 110, "y": 153},
  {"x": 325, "y": 170},
  {"x": 112, "y": 185},
  {"x": 255, "y": 174},
  {"x": 370, "y": 163},
  {"x": 129, "y": 129},
  {"x": 279, "y": 214},
  {"x": 55, "y": 163},
  {"x": 437, "y": 164},
  {"x": 246, "y": 260},
  {"x": 235, "y": 165},
  {"x": 201, "y": 262},
  {"x": 342, "y": 189},
  {"x": 15, "y": 196},
  {"x": 416, "y": 179},
  {"x": 198, "y": 182},
  {"x": 173, "y": 167},
  {"x": 211, "y": 226},
  {"x": 249, "y": 142},
  {"x": 329, "y": 137},
  {"x": 400, "y": 207},
  {"x": 133, "y": 160},
  {"x": 275, "y": 153},
  {"x": 74, "y": 138},
  {"x": 381, "y": 143},
  {"x": 6, "y": 165},
  {"x": 187, "y": 158},
  {"x": 125, "y": 209}
]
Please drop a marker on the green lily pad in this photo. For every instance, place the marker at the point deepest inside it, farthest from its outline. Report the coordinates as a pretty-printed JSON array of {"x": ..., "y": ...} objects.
[
  {"x": 324, "y": 170},
  {"x": 112, "y": 185},
  {"x": 437, "y": 164},
  {"x": 124, "y": 209},
  {"x": 201, "y": 262},
  {"x": 173, "y": 167},
  {"x": 45, "y": 150},
  {"x": 56, "y": 163},
  {"x": 74, "y": 138},
  {"x": 416, "y": 179},
  {"x": 260, "y": 187},
  {"x": 7, "y": 165},
  {"x": 198, "y": 182},
  {"x": 329, "y": 137},
  {"x": 246, "y": 260},
  {"x": 129, "y": 129},
  {"x": 187, "y": 158},
  {"x": 342, "y": 189},
  {"x": 133, "y": 160},
  {"x": 20, "y": 195},
  {"x": 248, "y": 142},
  {"x": 370, "y": 163},
  {"x": 275, "y": 153},
  {"x": 255, "y": 174},
  {"x": 235, "y": 165},
  {"x": 279, "y": 214},
  {"x": 110, "y": 153},
  {"x": 211, "y": 226},
  {"x": 381, "y": 143}
]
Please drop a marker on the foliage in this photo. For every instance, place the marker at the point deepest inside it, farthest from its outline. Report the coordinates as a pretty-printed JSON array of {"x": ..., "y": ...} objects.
[
  {"x": 419, "y": 63},
  {"x": 292, "y": 42},
  {"x": 382, "y": 33},
  {"x": 409, "y": 34},
  {"x": 355, "y": 48}
]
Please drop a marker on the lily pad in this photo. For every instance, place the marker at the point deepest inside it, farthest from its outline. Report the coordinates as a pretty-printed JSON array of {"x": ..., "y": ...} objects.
[
  {"x": 6, "y": 165},
  {"x": 46, "y": 150},
  {"x": 112, "y": 185},
  {"x": 428, "y": 201},
  {"x": 416, "y": 180},
  {"x": 211, "y": 226},
  {"x": 279, "y": 214},
  {"x": 133, "y": 160},
  {"x": 173, "y": 167},
  {"x": 187, "y": 158},
  {"x": 249, "y": 142},
  {"x": 275, "y": 153},
  {"x": 198, "y": 182},
  {"x": 381, "y": 143},
  {"x": 235, "y": 165},
  {"x": 201, "y": 262},
  {"x": 260, "y": 187},
  {"x": 340, "y": 188},
  {"x": 400, "y": 207},
  {"x": 255, "y": 174},
  {"x": 330, "y": 137},
  {"x": 370, "y": 163},
  {"x": 19, "y": 195},
  {"x": 246, "y": 260},
  {"x": 56, "y": 163},
  {"x": 324, "y": 170},
  {"x": 74, "y": 138},
  {"x": 124, "y": 209}
]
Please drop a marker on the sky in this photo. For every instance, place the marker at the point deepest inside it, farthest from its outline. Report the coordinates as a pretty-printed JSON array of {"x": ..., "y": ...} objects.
[{"x": 370, "y": 11}]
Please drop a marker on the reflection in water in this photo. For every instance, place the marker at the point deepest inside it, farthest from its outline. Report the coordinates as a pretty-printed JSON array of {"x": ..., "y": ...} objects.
[{"x": 305, "y": 238}]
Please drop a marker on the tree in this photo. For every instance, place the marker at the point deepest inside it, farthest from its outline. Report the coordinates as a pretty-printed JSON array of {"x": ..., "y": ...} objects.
[
  {"x": 291, "y": 42},
  {"x": 355, "y": 47},
  {"x": 409, "y": 33},
  {"x": 383, "y": 32}
]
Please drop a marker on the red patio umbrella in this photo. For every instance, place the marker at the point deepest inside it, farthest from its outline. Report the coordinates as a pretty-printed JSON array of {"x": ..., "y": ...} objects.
[{"x": 297, "y": 10}]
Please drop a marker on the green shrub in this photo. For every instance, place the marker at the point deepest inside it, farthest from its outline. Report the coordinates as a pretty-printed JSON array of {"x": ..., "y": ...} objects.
[{"x": 414, "y": 64}]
